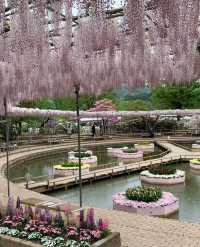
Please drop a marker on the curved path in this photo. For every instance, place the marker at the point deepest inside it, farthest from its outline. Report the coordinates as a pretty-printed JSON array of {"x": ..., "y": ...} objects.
[{"x": 135, "y": 230}]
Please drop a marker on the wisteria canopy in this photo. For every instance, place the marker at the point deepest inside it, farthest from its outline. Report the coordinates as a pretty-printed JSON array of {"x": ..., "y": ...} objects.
[{"x": 45, "y": 50}]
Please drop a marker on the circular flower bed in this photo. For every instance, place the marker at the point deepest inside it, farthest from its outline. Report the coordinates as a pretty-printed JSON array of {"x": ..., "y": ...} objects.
[
  {"x": 146, "y": 201},
  {"x": 195, "y": 164},
  {"x": 126, "y": 153},
  {"x": 86, "y": 157},
  {"x": 70, "y": 168},
  {"x": 162, "y": 175},
  {"x": 145, "y": 146},
  {"x": 196, "y": 146},
  {"x": 144, "y": 194}
]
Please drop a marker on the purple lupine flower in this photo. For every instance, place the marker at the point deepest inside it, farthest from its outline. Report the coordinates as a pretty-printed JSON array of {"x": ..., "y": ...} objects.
[
  {"x": 30, "y": 212},
  {"x": 10, "y": 206},
  {"x": 48, "y": 216},
  {"x": 68, "y": 212},
  {"x": 21, "y": 211},
  {"x": 90, "y": 217},
  {"x": 58, "y": 220},
  {"x": 102, "y": 224},
  {"x": 82, "y": 217},
  {"x": 37, "y": 212},
  {"x": 26, "y": 213},
  {"x": 42, "y": 216},
  {"x": 18, "y": 203}
]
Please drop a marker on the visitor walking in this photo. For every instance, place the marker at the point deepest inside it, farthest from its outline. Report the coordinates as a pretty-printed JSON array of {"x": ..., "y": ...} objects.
[{"x": 93, "y": 130}]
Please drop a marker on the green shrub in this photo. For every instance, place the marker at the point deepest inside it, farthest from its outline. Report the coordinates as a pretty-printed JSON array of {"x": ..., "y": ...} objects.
[
  {"x": 70, "y": 164},
  {"x": 162, "y": 170},
  {"x": 82, "y": 155},
  {"x": 130, "y": 151},
  {"x": 144, "y": 194},
  {"x": 83, "y": 150}
]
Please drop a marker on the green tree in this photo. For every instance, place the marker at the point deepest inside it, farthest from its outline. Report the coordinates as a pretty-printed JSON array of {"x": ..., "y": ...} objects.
[
  {"x": 133, "y": 105},
  {"x": 172, "y": 96}
]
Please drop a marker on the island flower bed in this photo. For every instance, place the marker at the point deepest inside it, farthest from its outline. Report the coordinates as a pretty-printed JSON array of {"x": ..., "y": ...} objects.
[
  {"x": 195, "y": 164},
  {"x": 175, "y": 177},
  {"x": 145, "y": 146},
  {"x": 52, "y": 230},
  {"x": 160, "y": 204},
  {"x": 87, "y": 157},
  {"x": 196, "y": 146},
  {"x": 126, "y": 153},
  {"x": 70, "y": 168}
]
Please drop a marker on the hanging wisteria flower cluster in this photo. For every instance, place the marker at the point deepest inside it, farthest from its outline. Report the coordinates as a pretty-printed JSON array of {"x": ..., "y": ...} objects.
[{"x": 48, "y": 47}]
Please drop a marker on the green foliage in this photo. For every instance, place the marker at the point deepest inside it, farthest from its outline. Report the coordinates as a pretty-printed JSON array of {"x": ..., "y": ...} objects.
[
  {"x": 108, "y": 95},
  {"x": 70, "y": 164},
  {"x": 136, "y": 94},
  {"x": 133, "y": 105},
  {"x": 130, "y": 150},
  {"x": 162, "y": 170},
  {"x": 82, "y": 155},
  {"x": 143, "y": 142},
  {"x": 172, "y": 96},
  {"x": 144, "y": 194}
]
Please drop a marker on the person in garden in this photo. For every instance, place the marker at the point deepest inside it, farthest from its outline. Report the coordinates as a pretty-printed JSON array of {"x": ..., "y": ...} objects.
[{"x": 93, "y": 130}]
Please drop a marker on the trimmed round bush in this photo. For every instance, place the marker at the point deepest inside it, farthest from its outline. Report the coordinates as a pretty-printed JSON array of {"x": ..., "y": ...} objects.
[
  {"x": 82, "y": 155},
  {"x": 130, "y": 151},
  {"x": 162, "y": 170},
  {"x": 144, "y": 194}
]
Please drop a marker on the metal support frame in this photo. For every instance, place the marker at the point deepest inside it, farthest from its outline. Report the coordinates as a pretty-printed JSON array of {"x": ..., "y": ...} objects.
[
  {"x": 7, "y": 144},
  {"x": 77, "y": 92}
]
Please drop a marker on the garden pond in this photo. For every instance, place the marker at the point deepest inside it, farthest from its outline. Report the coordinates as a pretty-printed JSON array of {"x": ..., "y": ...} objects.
[
  {"x": 45, "y": 166},
  {"x": 99, "y": 194}
]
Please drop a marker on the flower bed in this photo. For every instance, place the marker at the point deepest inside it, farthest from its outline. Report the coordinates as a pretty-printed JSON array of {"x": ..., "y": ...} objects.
[
  {"x": 166, "y": 205},
  {"x": 126, "y": 153},
  {"x": 113, "y": 240},
  {"x": 195, "y": 164},
  {"x": 163, "y": 179},
  {"x": 144, "y": 194},
  {"x": 86, "y": 157},
  {"x": 146, "y": 147},
  {"x": 196, "y": 147},
  {"x": 70, "y": 168},
  {"x": 53, "y": 230}
]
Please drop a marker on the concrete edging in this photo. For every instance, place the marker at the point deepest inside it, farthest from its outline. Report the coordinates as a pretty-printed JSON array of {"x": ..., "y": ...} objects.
[{"x": 113, "y": 240}]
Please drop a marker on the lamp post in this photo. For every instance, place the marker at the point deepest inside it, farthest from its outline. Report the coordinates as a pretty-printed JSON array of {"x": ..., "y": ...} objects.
[
  {"x": 7, "y": 144},
  {"x": 77, "y": 92}
]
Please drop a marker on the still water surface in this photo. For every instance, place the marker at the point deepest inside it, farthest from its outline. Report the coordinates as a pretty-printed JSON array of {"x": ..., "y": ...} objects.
[
  {"x": 44, "y": 166},
  {"x": 100, "y": 194}
]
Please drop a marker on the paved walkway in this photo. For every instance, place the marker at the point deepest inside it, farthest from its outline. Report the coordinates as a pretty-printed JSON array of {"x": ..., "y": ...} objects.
[{"x": 135, "y": 230}]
